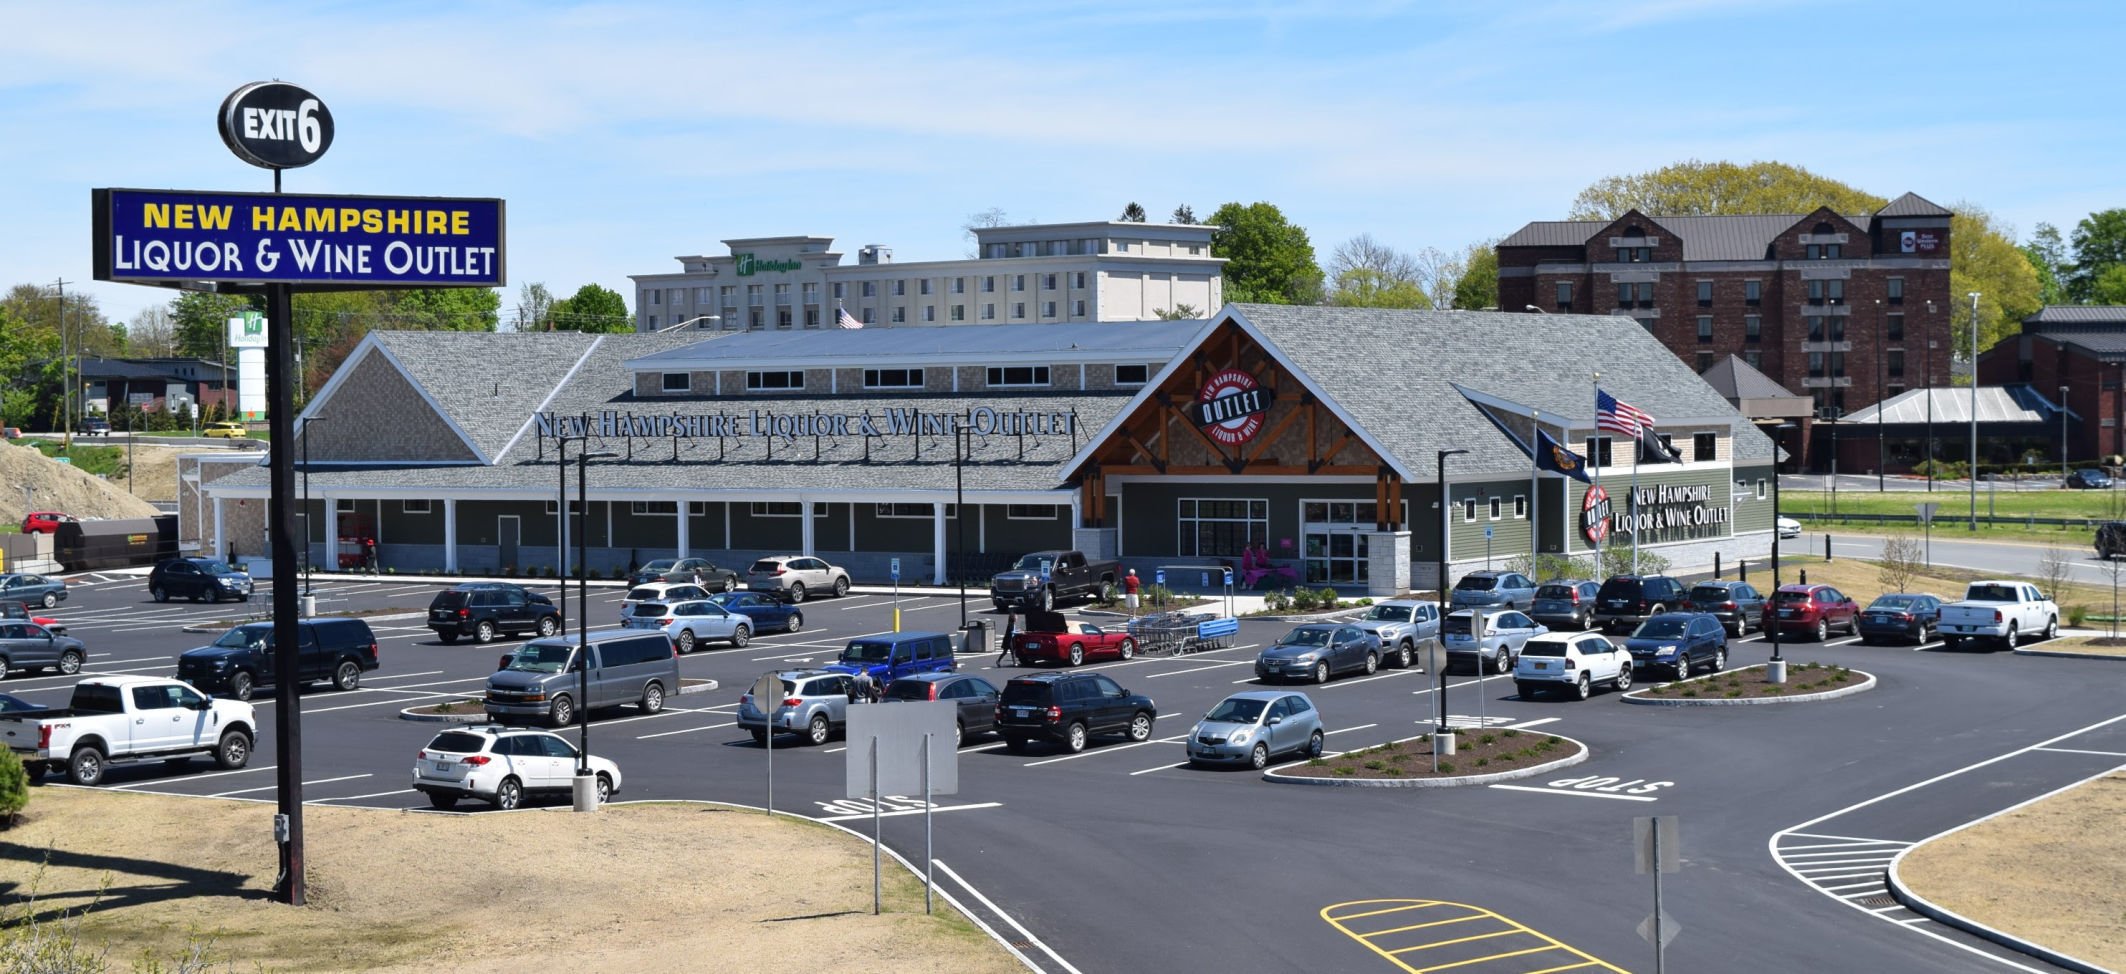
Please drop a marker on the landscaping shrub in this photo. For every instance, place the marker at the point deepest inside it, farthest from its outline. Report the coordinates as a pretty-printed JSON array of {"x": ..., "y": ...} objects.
[{"x": 14, "y": 788}]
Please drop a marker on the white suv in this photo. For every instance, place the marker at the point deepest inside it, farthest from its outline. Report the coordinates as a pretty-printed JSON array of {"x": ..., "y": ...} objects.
[
  {"x": 796, "y": 576},
  {"x": 1571, "y": 661},
  {"x": 659, "y": 592},
  {"x": 502, "y": 766}
]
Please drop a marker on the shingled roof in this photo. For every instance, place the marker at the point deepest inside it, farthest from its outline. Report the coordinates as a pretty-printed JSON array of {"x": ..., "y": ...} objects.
[{"x": 1732, "y": 237}]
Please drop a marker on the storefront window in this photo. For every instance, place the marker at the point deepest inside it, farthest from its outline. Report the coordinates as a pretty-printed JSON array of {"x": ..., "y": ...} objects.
[{"x": 1220, "y": 528}]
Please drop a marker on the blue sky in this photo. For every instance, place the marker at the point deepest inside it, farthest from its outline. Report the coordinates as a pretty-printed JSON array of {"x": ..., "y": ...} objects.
[{"x": 624, "y": 134}]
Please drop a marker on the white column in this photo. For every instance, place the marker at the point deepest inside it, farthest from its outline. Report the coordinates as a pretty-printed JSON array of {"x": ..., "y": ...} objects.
[
  {"x": 937, "y": 542},
  {"x": 804, "y": 534},
  {"x": 684, "y": 541},
  {"x": 450, "y": 534},
  {"x": 331, "y": 561},
  {"x": 221, "y": 541}
]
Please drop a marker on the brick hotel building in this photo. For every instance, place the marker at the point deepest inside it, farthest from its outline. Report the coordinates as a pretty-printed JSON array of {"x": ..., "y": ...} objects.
[{"x": 1845, "y": 309}]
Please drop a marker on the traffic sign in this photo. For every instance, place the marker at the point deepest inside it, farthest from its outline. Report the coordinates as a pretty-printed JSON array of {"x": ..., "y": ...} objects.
[
  {"x": 1669, "y": 929},
  {"x": 1487, "y": 532},
  {"x": 1642, "y": 834},
  {"x": 767, "y": 693},
  {"x": 1159, "y": 577},
  {"x": 1926, "y": 512},
  {"x": 896, "y": 569},
  {"x": 1229, "y": 578}
]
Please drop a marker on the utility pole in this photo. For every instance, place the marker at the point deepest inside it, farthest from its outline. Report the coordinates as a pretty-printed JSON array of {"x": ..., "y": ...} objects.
[
  {"x": 1973, "y": 472},
  {"x": 66, "y": 368}
]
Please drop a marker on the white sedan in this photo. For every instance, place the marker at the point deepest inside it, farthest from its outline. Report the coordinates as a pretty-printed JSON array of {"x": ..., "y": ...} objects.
[
  {"x": 690, "y": 623},
  {"x": 1788, "y": 527}
]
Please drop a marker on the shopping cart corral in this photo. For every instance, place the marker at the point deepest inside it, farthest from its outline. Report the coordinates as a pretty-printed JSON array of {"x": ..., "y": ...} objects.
[{"x": 1171, "y": 633}]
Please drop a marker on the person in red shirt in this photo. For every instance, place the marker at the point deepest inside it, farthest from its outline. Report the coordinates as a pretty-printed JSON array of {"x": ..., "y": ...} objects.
[{"x": 1130, "y": 584}]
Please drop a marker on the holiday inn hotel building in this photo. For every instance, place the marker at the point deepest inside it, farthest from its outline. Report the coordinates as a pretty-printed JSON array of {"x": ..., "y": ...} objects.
[
  {"x": 1046, "y": 273},
  {"x": 1313, "y": 432}
]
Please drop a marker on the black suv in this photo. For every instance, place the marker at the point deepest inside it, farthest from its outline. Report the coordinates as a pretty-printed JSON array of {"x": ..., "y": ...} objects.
[
  {"x": 1738, "y": 605},
  {"x": 1071, "y": 707},
  {"x": 482, "y": 609},
  {"x": 334, "y": 650},
  {"x": 2111, "y": 539},
  {"x": 1627, "y": 600},
  {"x": 197, "y": 578}
]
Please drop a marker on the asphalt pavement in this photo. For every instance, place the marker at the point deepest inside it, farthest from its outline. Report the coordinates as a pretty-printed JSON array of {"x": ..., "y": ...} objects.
[{"x": 1121, "y": 858}]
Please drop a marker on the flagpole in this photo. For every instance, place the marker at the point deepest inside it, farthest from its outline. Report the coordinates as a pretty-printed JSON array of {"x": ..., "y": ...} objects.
[
  {"x": 1638, "y": 453},
  {"x": 1535, "y": 543},
  {"x": 1594, "y": 467}
]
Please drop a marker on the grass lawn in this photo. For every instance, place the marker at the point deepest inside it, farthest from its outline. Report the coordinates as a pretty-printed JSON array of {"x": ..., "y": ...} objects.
[
  {"x": 2100, "y": 505},
  {"x": 108, "y": 461}
]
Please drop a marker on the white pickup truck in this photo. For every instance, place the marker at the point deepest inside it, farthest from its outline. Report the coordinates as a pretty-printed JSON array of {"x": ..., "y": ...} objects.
[
  {"x": 1999, "y": 610},
  {"x": 117, "y": 719}
]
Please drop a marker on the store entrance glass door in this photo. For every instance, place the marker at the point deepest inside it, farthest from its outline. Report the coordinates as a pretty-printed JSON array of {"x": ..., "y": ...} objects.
[{"x": 1338, "y": 542}]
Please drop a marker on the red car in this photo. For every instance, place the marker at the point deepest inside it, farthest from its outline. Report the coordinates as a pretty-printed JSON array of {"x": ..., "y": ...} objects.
[
  {"x": 1815, "y": 610},
  {"x": 44, "y": 522},
  {"x": 20, "y": 610},
  {"x": 1049, "y": 639}
]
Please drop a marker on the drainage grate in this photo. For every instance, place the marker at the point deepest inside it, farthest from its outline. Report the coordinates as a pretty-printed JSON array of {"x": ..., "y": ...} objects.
[{"x": 1878, "y": 901}]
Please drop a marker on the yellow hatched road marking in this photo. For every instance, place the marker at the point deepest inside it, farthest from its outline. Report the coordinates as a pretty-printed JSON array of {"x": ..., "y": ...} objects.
[{"x": 1369, "y": 908}]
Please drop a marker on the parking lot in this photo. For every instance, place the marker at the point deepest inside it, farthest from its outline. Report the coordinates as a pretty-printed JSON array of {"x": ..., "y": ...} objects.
[{"x": 1122, "y": 855}]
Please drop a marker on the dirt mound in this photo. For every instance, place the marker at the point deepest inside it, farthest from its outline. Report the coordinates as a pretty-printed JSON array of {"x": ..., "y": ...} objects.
[{"x": 55, "y": 486}]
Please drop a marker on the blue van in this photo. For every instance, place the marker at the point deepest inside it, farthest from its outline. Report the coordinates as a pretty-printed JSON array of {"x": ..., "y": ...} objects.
[{"x": 890, "y": 656}]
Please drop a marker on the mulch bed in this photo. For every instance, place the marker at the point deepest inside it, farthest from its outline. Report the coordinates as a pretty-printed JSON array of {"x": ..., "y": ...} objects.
[
  {"x": 1802, "y": 679},
  {"x": 1475, "y": 752},
  {"x": 458, "y": 708}
]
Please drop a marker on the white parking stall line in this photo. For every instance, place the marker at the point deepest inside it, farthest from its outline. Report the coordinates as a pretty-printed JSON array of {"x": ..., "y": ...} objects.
[
  {"x": 666, "y": 712},
  {"x": 690, "y": 730},
  {"x": 352, "y": 798},
  {"x": 1849, "y": 874},
  {"x": 1874, "y": 885},
  {"x": 415, "y": 695},
  {"x": 866, "y": 816},
  {"x": 1843, "y": 865},
  {"x": 194, "y": 777},
  {"x": 1110, "y": 749},
  {"x": 320, "y": 781},
  {"x": 1842, "y": 840},
  {"x": 1007, "y": 918},
  {"x": 1367, "y": 679},
  {"x": 405, "y": 676},
  {"x": 1163, "y": 767},
  {"x": 1344, "y": 730},
  {"x": 1576, "y": 794},
  {"x": 1833, "y": 856},
  {"x": 864, "y": 604},
  {"x": 1867, "y": 889},
  {"x": 1538, "y": 722},
  {"x": 985, "y": 747},
  {"x": 2076, "y": 750}
]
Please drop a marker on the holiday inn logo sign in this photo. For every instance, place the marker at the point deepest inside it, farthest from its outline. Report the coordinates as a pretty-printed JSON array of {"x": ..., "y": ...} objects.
[{"x": 749, "y": 266}]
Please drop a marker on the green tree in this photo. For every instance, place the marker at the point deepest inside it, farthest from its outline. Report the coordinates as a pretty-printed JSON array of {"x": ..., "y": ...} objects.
[
  {"x": 1133, "y": 213},
  {"x": 1183, "y": 214},
  {"x": 1177, "y": 312},
  {"x": 1478, "y": 286},
  {"x": 446, "y": 309},
  {"x": 1364, "y": 287},
  {"x": 1268, "y": 259},
  {"x": 1983, "y": 258},
  {"x": 2099, "y": 242},
  {"x": 2048, "y": 257},
  {"x": 2110, "y": 285},
  {"x": 535, "y": 308},
  {"x": 593, "y": 309},
  {"x": 200, "y": 322},
  {"x": 1696, "y": 188}
]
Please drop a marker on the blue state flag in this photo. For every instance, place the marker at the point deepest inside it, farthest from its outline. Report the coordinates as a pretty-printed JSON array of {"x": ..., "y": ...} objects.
[{"x": 1553, "y": 456}]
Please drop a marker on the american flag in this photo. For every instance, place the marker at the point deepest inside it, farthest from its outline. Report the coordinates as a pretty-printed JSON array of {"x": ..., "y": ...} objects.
[
  {"x": 1619, "y": 417},
  {"x": 844, "y": 319}
]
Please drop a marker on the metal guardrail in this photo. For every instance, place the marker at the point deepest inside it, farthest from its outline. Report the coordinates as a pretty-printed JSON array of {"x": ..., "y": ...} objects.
[{"x": 2025, "y": 521}]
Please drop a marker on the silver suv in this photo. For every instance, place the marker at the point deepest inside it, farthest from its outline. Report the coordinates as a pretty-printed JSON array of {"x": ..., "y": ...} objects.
[
  {"x": 815, "y": 704},
  {"x": 796, "y": 576}
]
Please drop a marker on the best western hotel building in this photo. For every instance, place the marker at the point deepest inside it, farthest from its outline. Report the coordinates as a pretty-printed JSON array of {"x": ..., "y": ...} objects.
[
  {"x": 1047, "y": 273},
  {"x": 1312, "y": 432}
]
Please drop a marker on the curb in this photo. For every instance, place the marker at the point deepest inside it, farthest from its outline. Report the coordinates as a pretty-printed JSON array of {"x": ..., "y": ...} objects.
[
  {"x": 1861, "y": 687},
  {"x": 480, "y": 717},
  {"x": 1454, "y": 782},
  {"x": 1942, "y": 915},
  {"x": 2062, "y": 654}
]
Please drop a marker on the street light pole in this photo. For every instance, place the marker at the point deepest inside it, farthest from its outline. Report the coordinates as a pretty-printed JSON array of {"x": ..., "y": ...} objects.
[
  {"x": 308, "y": 519},
  {"x": 1882, "y": 385},
  {"x": 583, "y": 634},
  {"x": 2063, "y": 431},
  {"x": 1930, "y": 400},
  {"x": 1446, "y": 533},
  {"x": 1972, "y": 474},
  {"x": 1776, "y": 670}
]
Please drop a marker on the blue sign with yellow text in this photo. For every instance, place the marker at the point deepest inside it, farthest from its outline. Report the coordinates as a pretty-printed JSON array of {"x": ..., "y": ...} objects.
[{"x": 176, "y": 237}]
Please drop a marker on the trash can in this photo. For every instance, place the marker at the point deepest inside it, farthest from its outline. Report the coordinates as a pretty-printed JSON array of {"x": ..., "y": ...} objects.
[{"x": 974, "y": 638}]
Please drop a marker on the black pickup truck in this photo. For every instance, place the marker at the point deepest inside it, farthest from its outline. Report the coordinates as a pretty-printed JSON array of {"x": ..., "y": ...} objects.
[{"x": 1041, "y": 579}]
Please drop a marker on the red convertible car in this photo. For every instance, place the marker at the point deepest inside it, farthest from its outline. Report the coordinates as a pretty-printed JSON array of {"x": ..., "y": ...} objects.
[
  {"x": 18, "y": 610},
  {"x": 1049, "y": 639}
]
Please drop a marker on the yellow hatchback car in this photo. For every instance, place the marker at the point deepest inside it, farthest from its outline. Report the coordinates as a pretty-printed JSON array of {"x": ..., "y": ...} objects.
[{"x": 231, "y": 431}]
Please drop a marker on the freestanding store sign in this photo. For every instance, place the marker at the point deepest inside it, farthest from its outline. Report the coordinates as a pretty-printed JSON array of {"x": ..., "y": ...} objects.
[
  {"x": 270, "y": 245},
  {"x": 247, "y": 334}
]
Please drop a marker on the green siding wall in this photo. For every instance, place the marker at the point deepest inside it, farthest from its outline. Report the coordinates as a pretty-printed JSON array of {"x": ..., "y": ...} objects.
[
  {"x": 476, "y": 522},
  {"x": 1003, "y": 535},
  {"x": 1509, "y": 533},
  {"x": 1752, "y": 514},
  {"x": 705, "y": 530},
  {"x": 1148, "y": 511},
  {"x": 763, "y": 533}
]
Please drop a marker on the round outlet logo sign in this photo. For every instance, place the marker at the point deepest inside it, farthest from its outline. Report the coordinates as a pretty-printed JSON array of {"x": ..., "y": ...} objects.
[
  {"x": 1230, "y": 407},
  {"x": 1594, "y": 515}
]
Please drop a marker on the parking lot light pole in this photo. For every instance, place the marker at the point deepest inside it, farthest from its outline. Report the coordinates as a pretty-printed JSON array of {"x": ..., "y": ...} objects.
[
  {"x": 561, "y": 524},
  {"x": 1446, "y": 527},
  {"x": 583, "y": 634},
  {"x": 1972, "y": 474},
  {"x": 1775, "y": 671},
  {"x": 2063, "y": 435},
  {"x": 308, "y": 517}
]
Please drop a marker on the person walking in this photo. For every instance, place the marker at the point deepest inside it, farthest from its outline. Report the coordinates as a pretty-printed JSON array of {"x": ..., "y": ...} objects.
[
  {"x": 1009, "y": 650},
  {"x": 1130, "y": 585}
]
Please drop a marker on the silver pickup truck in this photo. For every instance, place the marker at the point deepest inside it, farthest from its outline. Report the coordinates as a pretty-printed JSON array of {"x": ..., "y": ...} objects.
[
  {"x": 2004, "y": 611},
  {"x": 1406, "y": 629}
]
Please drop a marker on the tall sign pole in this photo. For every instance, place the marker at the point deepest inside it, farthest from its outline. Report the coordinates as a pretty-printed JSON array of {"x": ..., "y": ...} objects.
[{"x": 1973, "y": 472}]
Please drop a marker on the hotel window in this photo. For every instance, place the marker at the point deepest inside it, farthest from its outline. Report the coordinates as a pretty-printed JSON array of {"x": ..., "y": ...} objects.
[
  {"x": 900, "y": 315},
  {"x": 1754, "y": 357},
  {"x": 782, "y": 318},
  {"x": 1564, "y": 296},
  {"x": 1646, "y": 294},
  {"x": 653, "y": 508},
  {"x": 1829, "y": 251},
  {"x": 1624, "y": 293},
  {"x": 1752, "y": 328},
  {"x": 1894, "y": 326},
  {"x": 922, "y": 511},
  {"x": 989, "y": 284},
  {"x": 756, "y": 318},
  {"x": 930, "y": 312},
  {"x": 1760, "y": 490},
  {"x": 1018, "y": 309},
  {"x": 841, "y": 290},
  {"x": 656, "y": 296},
  {"x": 1598, "y": 452},
  {"x": 870, "y": 289},
  {"x": 1705, "y": 329},
  {"x": 893, "y": 378},
  {"x": 959, "y": 312},
  {"x": 414, "y": 507},
  {"x": 1077, "y": 309},
  {"x": 1048, "y": 309},
  {"x": 1496, "y": 508},
  {"x": 1469, "y": 510},
  {"x": 1048, "y": 282},
  {"x": 812, "y": 317},
  {"x": 1703, "y": 446},
  {"x": 923, "y": 286},
  {"x": 900, "y": 288},
  {"x": 776, "y": 380},
  {"x": 1826, "y": 292},
  {"x": 1705, "y": 294},
  {"x": 1132, "y": 375},
  {"x": 1208, "y": 527},
  {"x": 1030, "y": 512},
  {"x": 1753, "y": 293},
  {"x": 1894, "y": 289},
  {"x": 1838, "y": 329},
  {"x": 1520, "y": 507},
  {"x": 1896, "y": 363},
  {"x": 1078, "y": 279},
  {"x": 730, "y": 294},
  {"x": 678, "y": 382},
  {"x": 704, "y": 295},
  {"x": 959, "y": 285},
  {"x": 810, "y": 291},
  {"x": 870, "y": 316},
  {"x": 777, "y": 509},
  {"x": 1815, "y": 323},
  {"x": 1018, "y": 375},
  {"x": 782, "y": 294},
  {"x": 694, "y": 509},
  {"x": 1704, "y": 361},
  {"x": 989, "y": 312},
  {"x": 1815, "y": 365},
  {"x": 753, "y": 295},
  {"x": 1018, "y": 282},
  {"x": 653, "y": 322}
]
